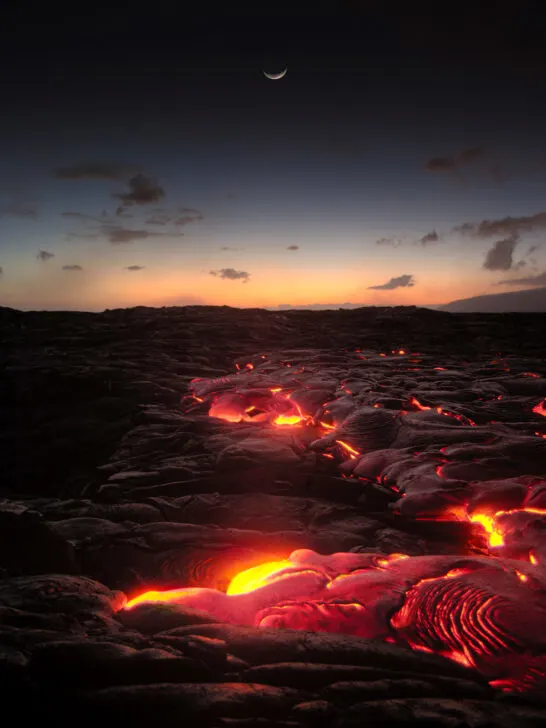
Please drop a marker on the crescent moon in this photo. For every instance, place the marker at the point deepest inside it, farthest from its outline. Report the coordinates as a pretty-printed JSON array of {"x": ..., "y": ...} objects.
[{"x": 276, "y": 76}]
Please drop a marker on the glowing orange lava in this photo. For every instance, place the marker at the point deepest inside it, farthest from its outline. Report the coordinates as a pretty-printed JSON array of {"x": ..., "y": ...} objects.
[
  {"x": 156, "y": 597},
  {"x": 540, "y": 409},
  {"x": 255, "y": 577},
  {"x": 348, "y": 448},
  {"x": 288, "y": 420},
  {"x": 488, "y": 522}
]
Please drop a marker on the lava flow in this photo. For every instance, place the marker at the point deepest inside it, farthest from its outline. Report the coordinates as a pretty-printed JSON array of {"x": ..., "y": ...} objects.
[{"x": 487, "y": 612}]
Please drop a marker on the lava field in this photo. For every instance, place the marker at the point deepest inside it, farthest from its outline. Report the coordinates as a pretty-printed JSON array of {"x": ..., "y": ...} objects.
[{"x": 274, "y": 519}]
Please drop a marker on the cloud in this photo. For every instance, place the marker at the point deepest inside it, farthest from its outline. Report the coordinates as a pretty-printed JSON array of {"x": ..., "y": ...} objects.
[
  {"x": 80, "y": 216},
  {"x": 118, "y": 236},
  {"x": 20, "y": 209},
  {"x": 508, "y": 226},
  {"x": 72, "y": 267},
  {"x": 501, "y": 255},
  {"x": 94, "y": 170},
  {"x": 389, "y": 241},
  {"x": 186, "y": 219},
  {"x": 451, "y": 163},
  {"x": 538, "y": 280},
  {"x": 45, "y": 255},
  {"x": 404, "y": 281},
  {"x": 143, "y": 191},
  {"x": 187, "y": 215},
  {"x": 432, "y": 237},
  {"x": 231, "y": 274},
  {"x": 81, "y": 236},
  {"x": 1, "y": 271},
  {"x": 226, "y": 248},
  {"x": 440, "y": 164},
  {"x": 293, "y": 247},
  {"x": 158, "y": 220},
  {"x": 472, "y": 154},
  {"x": 134, "y": 267}
]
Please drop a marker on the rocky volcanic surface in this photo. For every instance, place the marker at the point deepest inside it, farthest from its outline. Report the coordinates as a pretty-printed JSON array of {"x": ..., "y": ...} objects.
[{"x": 161, "y": 449}]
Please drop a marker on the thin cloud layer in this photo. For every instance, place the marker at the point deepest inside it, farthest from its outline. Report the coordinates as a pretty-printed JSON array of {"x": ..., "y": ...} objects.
[
  {"x": 403, "y": 281},
  {"x": 532, "y": 281},
  {"x": 45, "y": 255},
  {"x": 142, "y": 191},
  {"x": 134, "y": 267},
  {"x": 231, "y": 274},
  {"x": 72, "y": 267},
  {"x": 501, "y": 255},
  {"x": 94, "y": 170},
  {"x": 226, "y": 248},
  {"x": 293, "y": 247},
  {"x": 507, "y": 226}
]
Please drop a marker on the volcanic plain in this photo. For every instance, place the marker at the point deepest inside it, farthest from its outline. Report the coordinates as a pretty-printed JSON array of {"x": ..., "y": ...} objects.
[{"x": 223, "y": 517}]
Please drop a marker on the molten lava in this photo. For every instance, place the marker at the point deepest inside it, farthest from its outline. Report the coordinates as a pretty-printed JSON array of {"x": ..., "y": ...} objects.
[
  {"x": 486, "y": 612},
  {"x": 477, "y": 611},
  {"x": 540, "y": 408},
  {"x": 255, "y": 577}
]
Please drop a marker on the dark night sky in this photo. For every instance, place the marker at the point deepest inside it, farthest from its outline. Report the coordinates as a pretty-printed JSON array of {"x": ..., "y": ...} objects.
[{"x": 145, "y": 159}]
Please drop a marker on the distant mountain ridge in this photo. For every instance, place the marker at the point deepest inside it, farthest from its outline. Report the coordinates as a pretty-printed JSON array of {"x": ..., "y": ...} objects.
[{"x": 527, "y": 301}]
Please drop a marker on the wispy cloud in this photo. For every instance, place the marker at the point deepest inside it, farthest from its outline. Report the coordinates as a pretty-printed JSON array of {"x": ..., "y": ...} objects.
[
  {"x": 452, "y": 162},
  {"x": 507, "y": 226},
  {"x": 72, "y": 267},
  {"x": 1, "y": 271},
  {"x": 45, "y": 255},
  {"x": 142, "y": 191},
  {"x": 134, "y": 267},
  {"x": 95, "y": 170},
  {"x": 293, "y": 247},
  {"x": 501, "y": 255},
  {"x": 392, "y": 242},
  {"x": 231, "y": 274},
  {"x": 532, "y": 281},
  {"x": 226, "y": 248},
  {"x": 186, "y": 219},
  {"x": 119, "y": 235},
  {"x": 158, "y": 220},
  {"x": 80, "y": 216},
  {"x": 403, "y": 281},
  {"x": 81, "y": 236},
  {"x": 20, "y": 209}
]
